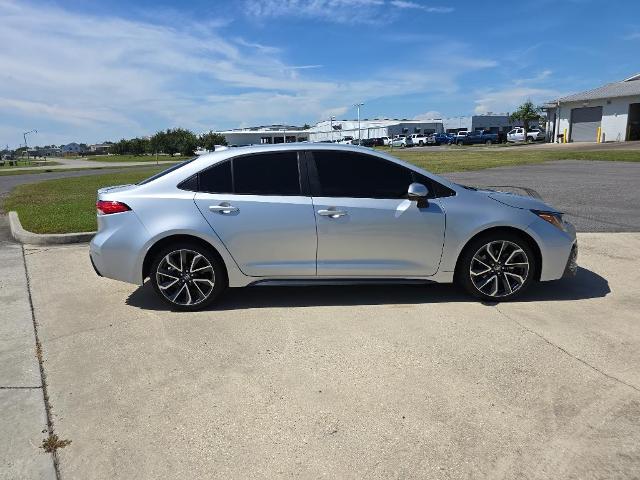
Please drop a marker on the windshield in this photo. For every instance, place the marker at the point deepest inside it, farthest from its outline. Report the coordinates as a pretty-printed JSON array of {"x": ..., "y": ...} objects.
[{"x": 164, "y": 172}]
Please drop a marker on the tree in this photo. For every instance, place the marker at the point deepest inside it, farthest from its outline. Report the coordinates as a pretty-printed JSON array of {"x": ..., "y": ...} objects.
[
  {"x": 306, "y": 126},
  {"x": 176, "y": 140},
  {"x": 527, "y": 112},
  {"x": 209, "y": 140}
]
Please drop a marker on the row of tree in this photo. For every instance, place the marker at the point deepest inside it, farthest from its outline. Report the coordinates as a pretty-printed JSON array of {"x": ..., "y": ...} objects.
[{"x": 170, "y": 141}]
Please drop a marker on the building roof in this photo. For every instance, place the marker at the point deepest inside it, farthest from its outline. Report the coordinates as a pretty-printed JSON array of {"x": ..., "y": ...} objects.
[{"x": 624, "y": 88}]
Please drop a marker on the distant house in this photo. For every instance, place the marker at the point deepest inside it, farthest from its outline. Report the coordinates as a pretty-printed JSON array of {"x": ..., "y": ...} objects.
[
  {"x": 100, "y": 148},
  {"x": 73, "y": 147}
]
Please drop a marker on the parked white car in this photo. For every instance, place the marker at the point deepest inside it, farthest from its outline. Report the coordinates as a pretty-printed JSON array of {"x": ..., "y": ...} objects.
[
  {"x": 385, "y": 140},
  {"x": 533, "y": 135},
  {"x": 399, "y": 142}
]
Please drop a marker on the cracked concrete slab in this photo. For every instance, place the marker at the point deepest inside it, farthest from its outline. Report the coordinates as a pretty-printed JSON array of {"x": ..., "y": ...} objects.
[{"x": 346, "y": 382}]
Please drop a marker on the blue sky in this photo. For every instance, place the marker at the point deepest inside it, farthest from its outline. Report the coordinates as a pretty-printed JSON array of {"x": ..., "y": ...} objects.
[{"x": 102, "y": 70}]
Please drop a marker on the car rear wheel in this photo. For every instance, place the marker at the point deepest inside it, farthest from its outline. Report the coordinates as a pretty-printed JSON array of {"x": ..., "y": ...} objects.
[
  {"x": 497, "y": 267},
  {"x": 488, "y": 142},
  {"x": 188, "y": 276}
]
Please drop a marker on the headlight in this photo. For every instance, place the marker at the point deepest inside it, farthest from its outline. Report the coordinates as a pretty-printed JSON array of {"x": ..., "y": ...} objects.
[{"x": 554, "y": 218}]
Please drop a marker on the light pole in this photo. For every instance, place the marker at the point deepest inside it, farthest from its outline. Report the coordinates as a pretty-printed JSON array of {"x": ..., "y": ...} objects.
[
  {"x": 331, "y": 119},
  {"x": 24, "y": 135},
  {"x": 358, "y": 105}
]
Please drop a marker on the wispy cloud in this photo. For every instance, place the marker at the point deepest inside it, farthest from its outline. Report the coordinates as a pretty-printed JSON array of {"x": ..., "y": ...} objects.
[
  {"x": 420, "y": 6},
  {"x": 337, "y": 11},
  {"x": 506, "y": 100},
  {"x": 90, "y": 78},
  {"x": 632, "y": 36}
]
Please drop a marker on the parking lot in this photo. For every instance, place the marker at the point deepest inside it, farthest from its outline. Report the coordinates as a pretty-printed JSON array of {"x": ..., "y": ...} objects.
[{"x": 345, "y": 382}]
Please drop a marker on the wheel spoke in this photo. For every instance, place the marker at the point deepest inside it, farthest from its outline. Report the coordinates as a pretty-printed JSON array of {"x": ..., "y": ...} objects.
[
  {"x": 475, "y": 274},
  {"x": 506, "y": 284},
  {"x": 172, "y": 265},
  {"x": 164, "y": 287},
  {"x": 178, "y": 293},
  {"x": 488, "y": 248},
  {"x": 196, "y": 257}
]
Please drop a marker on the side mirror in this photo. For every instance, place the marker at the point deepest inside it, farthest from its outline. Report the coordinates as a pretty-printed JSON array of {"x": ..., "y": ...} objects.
[{"x": 418, "y": 192}]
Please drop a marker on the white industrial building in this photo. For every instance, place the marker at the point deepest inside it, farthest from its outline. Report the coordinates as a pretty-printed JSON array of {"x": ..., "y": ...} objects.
[
  {"x": 335, "y": 130},
  {"x": 492, "y": 122},
  {"x": 268, "y": 134},
  {"x": 610, "y": 113}
]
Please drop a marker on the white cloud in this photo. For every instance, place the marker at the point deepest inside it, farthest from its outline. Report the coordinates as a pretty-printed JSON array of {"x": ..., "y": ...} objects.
[
  {"x": 507, "y": 100},
  {"x": 419, "y": 6},
  {"x": 633, "y": 36},
  {"x": 338, "y": 11},
  {"x": 90, "y": 78},
  {"x": 430, "y": 115}
]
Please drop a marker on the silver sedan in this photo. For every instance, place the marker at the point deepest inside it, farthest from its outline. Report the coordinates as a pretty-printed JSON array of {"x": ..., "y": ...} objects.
[{"x": 316, "y": 213}]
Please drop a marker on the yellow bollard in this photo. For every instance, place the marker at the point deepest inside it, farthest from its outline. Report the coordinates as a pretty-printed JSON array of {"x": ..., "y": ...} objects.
[
  {"x": 564, "y": 137},
  {"x": 598, "y": 134}
]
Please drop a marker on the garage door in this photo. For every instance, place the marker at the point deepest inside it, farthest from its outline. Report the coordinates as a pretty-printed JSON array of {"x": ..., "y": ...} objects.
[{"x": 585, "y": 123}]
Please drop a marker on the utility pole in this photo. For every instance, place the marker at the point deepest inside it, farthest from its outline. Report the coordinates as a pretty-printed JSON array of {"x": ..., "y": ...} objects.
[
  {"x": 358, "y": 105},
  {"x": 331, "y": 119},
  {"x": 24, "y": 135}
]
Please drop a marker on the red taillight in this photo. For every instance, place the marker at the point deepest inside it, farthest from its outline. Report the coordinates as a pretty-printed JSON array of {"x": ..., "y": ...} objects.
[{"x": 108, "y": 207}]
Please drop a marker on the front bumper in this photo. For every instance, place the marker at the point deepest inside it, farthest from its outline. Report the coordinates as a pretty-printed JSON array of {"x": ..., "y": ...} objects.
[{"x": 571, "y": 268}]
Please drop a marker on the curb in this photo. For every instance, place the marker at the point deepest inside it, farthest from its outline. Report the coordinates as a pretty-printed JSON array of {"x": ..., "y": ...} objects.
[{"x": 23, "y": 236}]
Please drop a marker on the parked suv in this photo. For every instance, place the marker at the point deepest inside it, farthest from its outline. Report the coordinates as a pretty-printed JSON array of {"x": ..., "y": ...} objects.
[
  {"x": 302, "y": 213},
  {"x": 533, "y": 135}
]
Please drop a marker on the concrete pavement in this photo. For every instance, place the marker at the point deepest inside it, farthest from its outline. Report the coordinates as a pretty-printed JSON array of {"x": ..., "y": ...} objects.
[
  {"x": 23, "y": 421},
  {"x": 346, "y": 382}
]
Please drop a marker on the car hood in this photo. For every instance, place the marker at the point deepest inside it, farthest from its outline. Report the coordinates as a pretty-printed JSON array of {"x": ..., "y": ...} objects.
[{"x": 519, "y": 201}]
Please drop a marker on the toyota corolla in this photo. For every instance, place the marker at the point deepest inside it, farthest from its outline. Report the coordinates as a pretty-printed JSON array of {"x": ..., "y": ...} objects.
[{"x": 314, "y": 213}]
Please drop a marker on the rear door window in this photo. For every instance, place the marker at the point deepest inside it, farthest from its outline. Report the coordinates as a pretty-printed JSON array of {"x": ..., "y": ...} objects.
[{"x": 274, "y": 173}]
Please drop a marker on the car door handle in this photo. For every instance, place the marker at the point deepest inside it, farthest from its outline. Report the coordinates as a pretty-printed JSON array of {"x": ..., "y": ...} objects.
[
  {"x": 332, "y": 213},
  {"x": 224, "y": 209}
]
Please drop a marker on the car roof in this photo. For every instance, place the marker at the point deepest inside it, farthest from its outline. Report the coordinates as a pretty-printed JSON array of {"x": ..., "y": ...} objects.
[{"x": 206, "y": 160}]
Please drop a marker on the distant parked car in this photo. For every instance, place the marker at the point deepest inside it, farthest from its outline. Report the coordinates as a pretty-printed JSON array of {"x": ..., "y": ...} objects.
[
  {"x": 533, "y": 135},
  {"x": 368, "y": 142},
  {"x": 346, "y": 140},
  {"x": 440, "y": 139},
  {"x": 399, "y": 142},
  {"x": 385, "y": 140},
  {"x": 478, "y": 137}
]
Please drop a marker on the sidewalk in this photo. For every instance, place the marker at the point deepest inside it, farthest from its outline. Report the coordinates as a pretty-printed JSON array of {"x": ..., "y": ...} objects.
[
  {"x": 67, "y": 163},
  {"x": 23, "y": 421}
]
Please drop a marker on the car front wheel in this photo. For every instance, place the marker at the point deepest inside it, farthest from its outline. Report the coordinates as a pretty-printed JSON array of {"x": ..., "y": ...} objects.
[
  {"x": 497, "y": 267},
  {"x": 188, "y": 276}
]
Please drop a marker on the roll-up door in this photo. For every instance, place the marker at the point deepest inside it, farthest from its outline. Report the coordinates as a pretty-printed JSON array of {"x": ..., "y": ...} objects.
[{"x": 585, "y": 123}]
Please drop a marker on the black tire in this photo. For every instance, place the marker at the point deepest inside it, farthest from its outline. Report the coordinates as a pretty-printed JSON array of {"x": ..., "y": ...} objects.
[
  {"x": 421, "y": 143},
  {"x": 488, "y": 142},
  {"x": 465, "y": 266},
  {"x": 195, "y": 282}
]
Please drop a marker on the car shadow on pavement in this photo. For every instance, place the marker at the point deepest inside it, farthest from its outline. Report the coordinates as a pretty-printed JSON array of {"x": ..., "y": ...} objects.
[{"x": 586, "y": 284}]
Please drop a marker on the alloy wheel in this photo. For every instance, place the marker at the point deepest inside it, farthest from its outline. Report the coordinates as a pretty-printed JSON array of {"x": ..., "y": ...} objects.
[
  {"x": 185, "y": 277},
  {"x": 499, "y": 268}
]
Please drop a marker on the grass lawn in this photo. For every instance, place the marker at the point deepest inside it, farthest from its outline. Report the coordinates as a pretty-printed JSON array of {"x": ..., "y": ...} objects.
[
  {"x": 133, "y": 158},
  {"x": 68, "y": 204},
  {"x": 470, "y": 158}
]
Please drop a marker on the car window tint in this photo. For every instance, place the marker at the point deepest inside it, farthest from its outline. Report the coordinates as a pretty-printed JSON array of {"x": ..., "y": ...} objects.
[
  {"x": 267, "y": 174},
  {"x": 216, "y": 179},
  {"x": 348, "y": 174}
]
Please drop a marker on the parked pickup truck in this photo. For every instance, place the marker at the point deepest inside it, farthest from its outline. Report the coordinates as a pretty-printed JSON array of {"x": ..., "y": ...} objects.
[
  {"x": 474, "y": 138},
  {"x": 416, "y": 140},
  {"x": 533, "y": 135},
  {"x": 440, "y": 139}
]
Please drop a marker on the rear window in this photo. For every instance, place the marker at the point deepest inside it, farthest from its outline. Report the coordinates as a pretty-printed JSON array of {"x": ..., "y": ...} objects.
[{"x": 168, "y": 170}]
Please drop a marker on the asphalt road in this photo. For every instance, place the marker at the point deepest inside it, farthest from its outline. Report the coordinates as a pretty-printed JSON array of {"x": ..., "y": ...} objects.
[
  {"x": 596, "y": 196},
  {"x": 8, "y": 182},
  {"x": 379, "y": 382}
]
